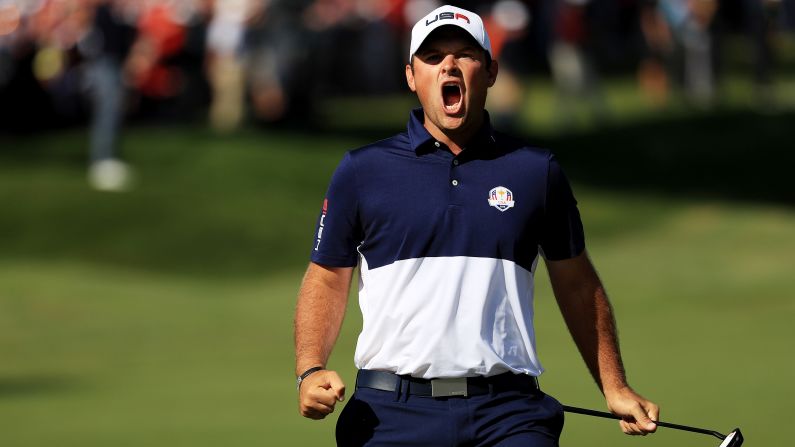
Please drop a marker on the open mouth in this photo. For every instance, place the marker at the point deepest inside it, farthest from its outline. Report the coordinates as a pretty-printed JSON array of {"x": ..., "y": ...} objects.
[{"x": 451, "y": 97}]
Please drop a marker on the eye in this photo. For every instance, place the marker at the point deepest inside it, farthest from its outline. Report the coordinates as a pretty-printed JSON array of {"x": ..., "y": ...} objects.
[{"x": 432, "y": 58}]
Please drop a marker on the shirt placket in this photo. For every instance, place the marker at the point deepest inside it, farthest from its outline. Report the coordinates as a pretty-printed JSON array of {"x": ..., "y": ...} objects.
[{"x": 455, "y": 180}]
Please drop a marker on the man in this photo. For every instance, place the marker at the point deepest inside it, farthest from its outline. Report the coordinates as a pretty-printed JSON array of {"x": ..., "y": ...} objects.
[
  {"x": 446, "y": 222},
  {"x": 105, "y": 49}
]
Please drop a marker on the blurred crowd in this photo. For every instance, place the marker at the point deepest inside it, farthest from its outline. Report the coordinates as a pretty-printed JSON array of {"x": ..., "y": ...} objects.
[{"x": 270, "y": 61}]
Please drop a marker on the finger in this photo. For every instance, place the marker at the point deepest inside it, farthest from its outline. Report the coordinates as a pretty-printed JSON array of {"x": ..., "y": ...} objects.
[
  {"x": 637, "y": 429},
  {"x": 323, "y": 396},
  {"x": 316, "y": 410},
  {"x": 631, "y": 429},
  {"x": 318, "y": 398},
  {"x": 315, "y": 380},
  {"x": 653, "y": 411},
  {"x": 313, "y": 414},
  {"x": 337, "y": 385},
  {"x": 319, "y": 393},
  {"x": 642, "y": 420}
]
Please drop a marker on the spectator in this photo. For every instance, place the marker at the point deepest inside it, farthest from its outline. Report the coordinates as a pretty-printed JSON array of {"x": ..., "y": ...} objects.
[
  {"x": 689, "y": 22},
  {"x": 572, "y": 66},
  {"x": 225, "y": 65},
  {"x": 105, "y": 49},
  {"x": 277, "y": 54}
]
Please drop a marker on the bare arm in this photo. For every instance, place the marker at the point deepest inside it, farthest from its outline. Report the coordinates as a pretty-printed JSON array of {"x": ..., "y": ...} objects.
[
  {"x": 318, "y": 318},
  {"x": 586, "y": 309}
]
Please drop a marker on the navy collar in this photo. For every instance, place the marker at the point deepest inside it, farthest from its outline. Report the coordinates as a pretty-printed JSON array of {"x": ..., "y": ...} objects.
[{"x": 419, "y": 136}]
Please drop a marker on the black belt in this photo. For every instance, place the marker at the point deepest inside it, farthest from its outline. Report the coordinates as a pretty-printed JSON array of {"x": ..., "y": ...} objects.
[{"x": 464, "y": 386}]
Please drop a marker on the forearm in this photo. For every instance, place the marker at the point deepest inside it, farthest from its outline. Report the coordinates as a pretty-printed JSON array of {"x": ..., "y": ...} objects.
[
  {"x": 590, "y": 320},
  {"x": 319, "y": 313},
  {"x": 589, "y": 316}
]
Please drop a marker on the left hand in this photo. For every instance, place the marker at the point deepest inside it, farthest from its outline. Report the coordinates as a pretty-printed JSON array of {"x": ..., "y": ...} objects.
[{"x": 638, "y": 414}]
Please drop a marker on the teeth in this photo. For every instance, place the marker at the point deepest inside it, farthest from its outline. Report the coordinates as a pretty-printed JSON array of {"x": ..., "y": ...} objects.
[{"x": 451, "y": 96}]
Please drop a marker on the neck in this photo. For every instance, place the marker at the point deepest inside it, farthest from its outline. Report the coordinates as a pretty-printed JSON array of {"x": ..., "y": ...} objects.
[{"x": 455, "y": 139}]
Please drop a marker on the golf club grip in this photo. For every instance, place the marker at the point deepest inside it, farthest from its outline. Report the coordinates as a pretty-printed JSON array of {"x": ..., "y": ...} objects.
[{"x": 606, "y": 415}]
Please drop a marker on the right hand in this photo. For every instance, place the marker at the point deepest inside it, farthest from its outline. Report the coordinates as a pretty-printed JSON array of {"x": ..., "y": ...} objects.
[
  {"x": 638, "y": 414},
  {"x": 319, "y": 393}
]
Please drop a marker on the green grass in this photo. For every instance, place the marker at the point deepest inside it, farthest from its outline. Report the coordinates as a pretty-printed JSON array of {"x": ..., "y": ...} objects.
[{"x": 163, "y": 316}]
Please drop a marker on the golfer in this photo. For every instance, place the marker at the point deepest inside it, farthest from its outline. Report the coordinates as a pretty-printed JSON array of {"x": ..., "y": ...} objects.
[{"x": 446, "y": 222}]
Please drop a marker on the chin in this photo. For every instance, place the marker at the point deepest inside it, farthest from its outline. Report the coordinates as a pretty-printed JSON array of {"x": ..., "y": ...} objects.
[
  {"x": 450, "y": 125},
  {"x": 453, "y": 122},
  {"x": 457, "y": 117}
]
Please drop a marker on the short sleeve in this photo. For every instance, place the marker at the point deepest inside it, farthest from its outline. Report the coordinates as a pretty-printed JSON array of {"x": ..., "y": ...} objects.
[
  {"x": 563, "y": 235},
  {"x": 338, "y": 233}
]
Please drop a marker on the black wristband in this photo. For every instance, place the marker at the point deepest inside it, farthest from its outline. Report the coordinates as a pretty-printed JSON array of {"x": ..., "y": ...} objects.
[{"x": 306, "y": 374}]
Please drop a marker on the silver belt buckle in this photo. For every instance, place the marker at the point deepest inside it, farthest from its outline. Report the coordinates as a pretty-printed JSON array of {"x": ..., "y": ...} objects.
[{"x": 449, "y": 387}]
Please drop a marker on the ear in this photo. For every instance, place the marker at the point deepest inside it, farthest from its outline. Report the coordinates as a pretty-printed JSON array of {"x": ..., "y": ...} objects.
[
  {"x": 410, "y": 78},
  {"x": 493, "y": 69}
]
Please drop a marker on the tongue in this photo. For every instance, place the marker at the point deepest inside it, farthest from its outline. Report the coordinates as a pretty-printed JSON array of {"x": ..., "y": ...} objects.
[{"x": 452, "y": 95}]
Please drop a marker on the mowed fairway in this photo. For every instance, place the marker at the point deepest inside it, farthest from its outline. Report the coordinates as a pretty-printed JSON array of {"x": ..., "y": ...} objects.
[{"x": 163, "y": 317}]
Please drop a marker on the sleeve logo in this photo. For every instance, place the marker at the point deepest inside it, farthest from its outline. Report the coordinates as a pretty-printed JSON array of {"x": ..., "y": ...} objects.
[
  {"x": 501, "y": 198},
  {"x": 321, "y": 224}
]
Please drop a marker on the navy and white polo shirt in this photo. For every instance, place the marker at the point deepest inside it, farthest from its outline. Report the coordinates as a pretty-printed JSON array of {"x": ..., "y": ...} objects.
[{"x": 447, "y": 247}]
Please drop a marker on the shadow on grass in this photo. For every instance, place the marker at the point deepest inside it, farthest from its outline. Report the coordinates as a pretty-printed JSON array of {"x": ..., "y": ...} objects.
[
  {"x": 34, "y": 385},
  {"x": 731, "y": 156},
  {"x": 728, "y": 155},
  {"x": 246, "y": 205}
]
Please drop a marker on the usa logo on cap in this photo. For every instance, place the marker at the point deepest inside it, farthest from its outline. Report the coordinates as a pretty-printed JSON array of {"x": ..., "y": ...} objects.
[
  {"x": 501, "y": 198},
  {"x": 449, "y": 15}
]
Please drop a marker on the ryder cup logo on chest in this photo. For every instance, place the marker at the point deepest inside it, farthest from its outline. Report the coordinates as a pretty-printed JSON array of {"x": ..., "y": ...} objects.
[{"x": 501, "y": 198}]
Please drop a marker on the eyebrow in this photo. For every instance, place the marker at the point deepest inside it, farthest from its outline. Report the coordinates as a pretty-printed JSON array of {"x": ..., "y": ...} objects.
[{"x": 436, "y": 48}]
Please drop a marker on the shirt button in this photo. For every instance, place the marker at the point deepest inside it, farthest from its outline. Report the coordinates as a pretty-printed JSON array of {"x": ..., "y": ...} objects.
[
  {"x": 455, "y": 162},
  {"x": 436, "y": 143},
  {"x": 455, "y": 182}
]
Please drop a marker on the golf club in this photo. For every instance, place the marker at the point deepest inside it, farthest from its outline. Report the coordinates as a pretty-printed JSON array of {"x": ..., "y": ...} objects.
[{"x": 733, "y": 439}]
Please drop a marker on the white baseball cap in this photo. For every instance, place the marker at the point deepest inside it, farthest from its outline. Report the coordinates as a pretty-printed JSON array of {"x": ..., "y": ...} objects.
[{"x": 449, "y": 15}]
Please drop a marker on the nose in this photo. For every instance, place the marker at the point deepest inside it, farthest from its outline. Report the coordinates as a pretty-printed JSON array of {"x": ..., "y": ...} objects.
[{"x": 449, "y": 65}]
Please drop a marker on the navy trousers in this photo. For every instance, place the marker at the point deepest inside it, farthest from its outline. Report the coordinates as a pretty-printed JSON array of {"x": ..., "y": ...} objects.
[{"x": 505, "y": 419}]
